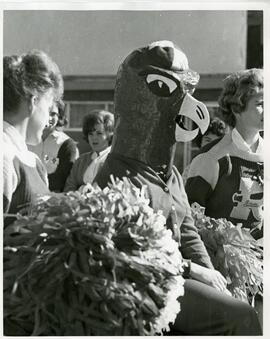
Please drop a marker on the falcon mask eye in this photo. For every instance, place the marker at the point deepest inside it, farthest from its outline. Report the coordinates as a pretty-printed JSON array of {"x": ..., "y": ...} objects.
[{"x": 160, "y": 85}]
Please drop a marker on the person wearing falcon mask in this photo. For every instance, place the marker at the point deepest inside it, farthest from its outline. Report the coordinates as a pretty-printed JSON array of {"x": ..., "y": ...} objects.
[{"x": 153, "y": 101}]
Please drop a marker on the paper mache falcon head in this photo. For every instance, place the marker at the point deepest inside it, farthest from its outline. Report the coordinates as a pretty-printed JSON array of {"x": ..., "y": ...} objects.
[{"x": 152, "y": 97}]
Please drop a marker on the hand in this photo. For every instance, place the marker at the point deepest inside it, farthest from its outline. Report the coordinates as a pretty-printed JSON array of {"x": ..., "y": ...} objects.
[{"x": 209, "y": 276}]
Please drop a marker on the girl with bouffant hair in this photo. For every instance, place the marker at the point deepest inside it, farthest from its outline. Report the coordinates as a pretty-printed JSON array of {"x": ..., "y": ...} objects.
[
  {"x": 96, "y": 117},
  {"x": 97, "y": 129},
  {"x": 227, "y": 176},
  {"x": 32, "y": 83}
]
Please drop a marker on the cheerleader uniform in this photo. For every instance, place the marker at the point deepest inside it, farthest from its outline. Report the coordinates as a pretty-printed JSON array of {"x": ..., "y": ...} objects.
[
  {"x": 227, "y": 179},
  {"x": 24, "y": 175}
]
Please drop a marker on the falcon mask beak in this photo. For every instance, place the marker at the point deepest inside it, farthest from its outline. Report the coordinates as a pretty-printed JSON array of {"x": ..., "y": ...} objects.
[{"x": 192, "y": 112}]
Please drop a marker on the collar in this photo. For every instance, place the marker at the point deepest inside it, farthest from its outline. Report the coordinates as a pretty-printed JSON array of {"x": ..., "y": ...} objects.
[
  {"x": 55, "y": 134},
  {"x": 12, "y": 136},
  {"x": 242, "y": 145},
  {"x": 100, "y": 154},
  {"x": 135, "y": 166},
  {"x": 16, "y": 145},
  {"x": 57, "y": 137}
]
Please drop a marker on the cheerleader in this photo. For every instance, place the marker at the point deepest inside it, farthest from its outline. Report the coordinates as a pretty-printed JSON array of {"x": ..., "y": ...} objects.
[
  {"x": 227, "y": 176},
  {"x": 32, "y": 83}
]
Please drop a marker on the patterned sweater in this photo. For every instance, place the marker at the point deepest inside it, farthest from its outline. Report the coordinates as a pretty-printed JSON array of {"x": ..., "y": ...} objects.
[
  {"x": 227, "y": 179},
  {"x": 24, "y": 176}
]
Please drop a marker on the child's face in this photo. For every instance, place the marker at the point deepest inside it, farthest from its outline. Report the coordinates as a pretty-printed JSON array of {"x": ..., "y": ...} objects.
[
  {"x": 208, "y": 138},
  {"x": 252, "y": 117},
  {"x": 98, "y": 138}
]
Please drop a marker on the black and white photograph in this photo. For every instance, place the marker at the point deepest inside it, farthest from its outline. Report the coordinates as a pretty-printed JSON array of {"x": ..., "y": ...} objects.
[{"x": 133, "y": 169}]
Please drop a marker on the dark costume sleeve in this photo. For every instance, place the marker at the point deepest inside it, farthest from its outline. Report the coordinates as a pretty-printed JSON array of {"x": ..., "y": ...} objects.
[
  {"x": 67, "y": 154},
  {"x": 192, "y": 247}
]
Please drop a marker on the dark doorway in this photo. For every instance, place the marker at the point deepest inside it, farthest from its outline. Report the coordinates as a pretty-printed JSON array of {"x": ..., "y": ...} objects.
[{"x": 255, "y": 39}]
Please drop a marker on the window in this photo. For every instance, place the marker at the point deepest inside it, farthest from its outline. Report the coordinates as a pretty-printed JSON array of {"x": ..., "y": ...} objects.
[
  {"x": 255, "y": 39},
  {"x": 76, "y": 110}
]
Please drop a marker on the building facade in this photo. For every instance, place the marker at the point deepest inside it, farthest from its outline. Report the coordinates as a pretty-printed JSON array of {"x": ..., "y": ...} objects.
[{"x": 89, "y": 46}]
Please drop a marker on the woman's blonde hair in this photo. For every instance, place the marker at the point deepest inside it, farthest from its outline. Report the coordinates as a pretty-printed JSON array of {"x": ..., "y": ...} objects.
[{"x": 239, "y": 87}]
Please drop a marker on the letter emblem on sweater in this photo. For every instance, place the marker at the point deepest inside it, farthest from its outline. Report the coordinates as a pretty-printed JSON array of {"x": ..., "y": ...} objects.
[{"x": 249, "y": 198}]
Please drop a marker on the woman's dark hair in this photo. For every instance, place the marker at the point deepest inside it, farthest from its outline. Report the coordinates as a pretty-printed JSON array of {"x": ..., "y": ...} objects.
[
  {"x": 62, "y": 119},
  {"x": 98, "y": 117},
  {"x": 239, "y": 87},
  {"x": 216, "y": 127},
  {"x": 33, "y": 73}
]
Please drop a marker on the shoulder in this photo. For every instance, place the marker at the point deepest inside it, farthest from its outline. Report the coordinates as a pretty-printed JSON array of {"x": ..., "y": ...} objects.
[
  {"x": 68, "y": 140},
  {"x": 205, "y": 165},
  {"x": 218, "y": 148},
  {"x": 12, "y": 160},
  {"x": 201, "y": 164},
  {"x": 68, "y": 145},
  {"x": 8, "y": 162},
  {"x": 84, "y": 159},
  {"x": 8, "y": 152},
  {"x": 213, "y": 151},
  {"x": 11, "y": 173},
  {"x": 58, "y": 136}
]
